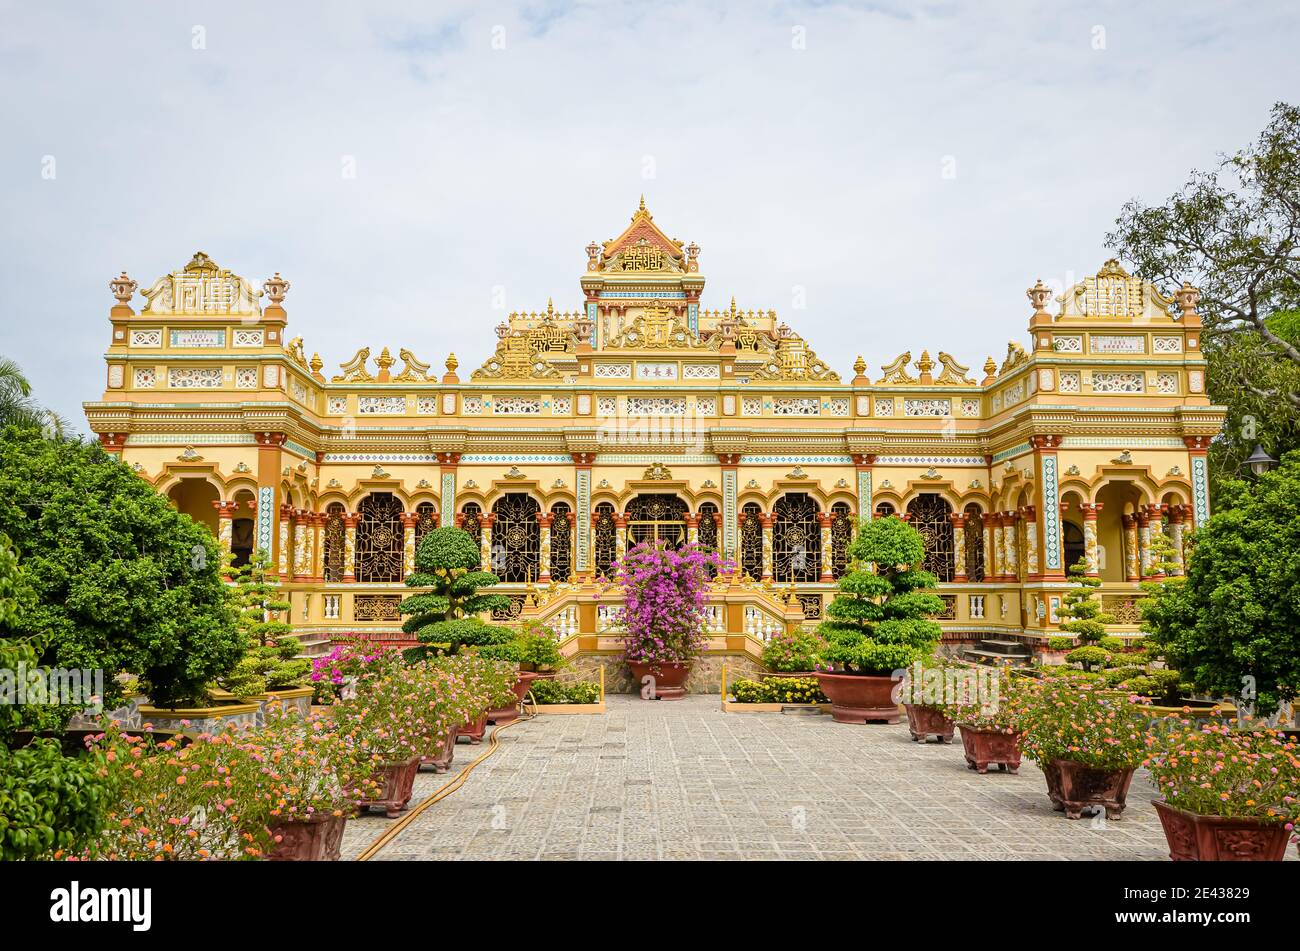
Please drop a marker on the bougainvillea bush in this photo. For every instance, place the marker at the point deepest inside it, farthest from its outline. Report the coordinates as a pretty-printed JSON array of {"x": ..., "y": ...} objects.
[
  {"x": 793, "y": 651},
  {"x": 1213, "y": 770},
  {"x": 664, "y": 595}
]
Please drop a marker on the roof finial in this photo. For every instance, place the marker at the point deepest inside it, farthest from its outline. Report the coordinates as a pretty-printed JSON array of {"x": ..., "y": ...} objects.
[{"x": 642, "y": 208}]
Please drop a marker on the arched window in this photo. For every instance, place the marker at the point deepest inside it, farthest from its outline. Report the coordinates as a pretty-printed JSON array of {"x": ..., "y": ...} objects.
[
  {"x": 657, "y": 517},
  {"x": 426, "y": 519},
  {"x": 335, "y": 541},
  {"x": 561, "y": 542},
  {"x": 751, "y": 540},
  {"x": 380, "y": 538},
  {"x": 796, "y": 539},
  {"x": 1072, "y": 536},
  {"x": 709, "y": 527},
  {"x": 974, "y": 543},
  {"x": 929, "y": 514},
  {"x": 471, "y": 520},
  {"x": 516, "y": 538},
  {"x": 884, "y": 510},
  {"x": 605, "y": 534},
  {"x": 841, "y": 536}
]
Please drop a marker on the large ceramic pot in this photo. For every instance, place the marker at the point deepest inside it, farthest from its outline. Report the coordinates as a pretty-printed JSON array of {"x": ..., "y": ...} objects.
[
  {"x": 397, "y": 781},
  {"x": 441, "y": 761},
  {"x": 524, "y": 683},
  {"x": 503, "y": 715},
  {"x": 1197, "y": 838},
  {"x": 985, "y": 748},
  {"x": 858, "y": 699},
  {"x": 1073, "y": 787},
  {"x": 667, "y": 681},
  {"x": 925, "y": 722},
  {"x": 474, "y": 729},
  {"x": 313, "y": 840}
]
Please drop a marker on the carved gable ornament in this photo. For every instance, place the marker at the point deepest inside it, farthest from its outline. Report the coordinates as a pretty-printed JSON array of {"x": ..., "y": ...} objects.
[
  {"x": 642, "y": 248},
  {"x": 657, "y": 473},
  {"x": 656, "y": 328},
  {"x": 1113, "y": 292},
  {"x": 517, "y": 358},
  {"x": 202, "y": 288}
]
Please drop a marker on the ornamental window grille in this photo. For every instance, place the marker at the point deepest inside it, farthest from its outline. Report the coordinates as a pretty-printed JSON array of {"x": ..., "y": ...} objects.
[
  {"x": 380, "y": 539},
  {"x": 884, "y": 510},
  {"x": 471, "y": 520},
  {"x": 426, "y": 519},
  {"x": 658, "y": 517},
  {"x": 796, "y": 539},
  {"x": 751, "y": 540},
  {"x": 512, "y": 612},
  {"x": 974, "y": 543},
  {"x": 561, "y": 542},
  {"x": 1072, "y": 540},
  {"x": 841, "y": 536},
  {"x": 376, "y": 607},
  {"x": 708, "y": 531},
  {"x": 929, "y": 513},
  {"x": 812, "y": 606},
  {"x": 335, "y": 542},
  {"x": 605, "y": 535},
  {"x": 516, "y": 538}
]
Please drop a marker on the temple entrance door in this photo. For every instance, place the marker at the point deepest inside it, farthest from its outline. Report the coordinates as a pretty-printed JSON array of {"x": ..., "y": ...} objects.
[{"x": 657, "y": 517}]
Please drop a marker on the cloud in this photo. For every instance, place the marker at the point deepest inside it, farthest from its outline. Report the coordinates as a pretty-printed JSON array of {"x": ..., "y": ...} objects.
[{"x": 802, "y": 146}]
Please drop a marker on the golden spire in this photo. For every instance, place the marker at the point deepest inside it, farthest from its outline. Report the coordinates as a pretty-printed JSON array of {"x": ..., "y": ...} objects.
[
  {"x": 452, "y": 363},
  {"x": 990, "y": 371},
  {"x": 642, "y": 208},
  {"x": 859, "y": 365}
]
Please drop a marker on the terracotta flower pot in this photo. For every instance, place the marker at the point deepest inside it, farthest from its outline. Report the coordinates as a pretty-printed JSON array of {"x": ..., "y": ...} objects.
[
  {"x": 668, "y": 681},
  {"x": 504, "y": 715},
  {"x": 524, "y": 683},
  {"x": 474, "y": 730},
  {"x": 397, "y": 781},
  {"x": 441, "y": 761},
  {"x": 858, "y": 699},
  {"x": 985, "y": 748},
  {"x": 1073, "y": 787},
  {"x": 925, "y": 722},
  {"x": 1197, "y": 838},
  {"x": 315, "y": 840}
]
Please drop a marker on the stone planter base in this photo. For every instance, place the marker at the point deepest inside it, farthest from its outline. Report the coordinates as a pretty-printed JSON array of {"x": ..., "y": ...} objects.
[
  {"x": 985, "y": 748},
  {"x": 857, "y": 699},
  {"x": 200, "y": 719},
  {"x": 474, "y": 730},
  {"x": 668, "y": 680},
  {"x": 319, "y": 840},
  {"x": 397, "y": 781},
  {"x": 925, "y": 722},
  {"x": 441, "y": 761},
  {"x": 1074, "y": 788},
  {"x": 1197, "y": 838}
]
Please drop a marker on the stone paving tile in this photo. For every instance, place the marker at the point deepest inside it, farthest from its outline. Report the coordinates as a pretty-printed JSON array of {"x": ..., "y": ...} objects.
[{"x": 683, "y": 780}]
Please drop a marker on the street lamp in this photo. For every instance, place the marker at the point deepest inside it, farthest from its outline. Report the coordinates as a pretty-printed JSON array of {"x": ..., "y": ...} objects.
[{"x": 1260, "y": 461}]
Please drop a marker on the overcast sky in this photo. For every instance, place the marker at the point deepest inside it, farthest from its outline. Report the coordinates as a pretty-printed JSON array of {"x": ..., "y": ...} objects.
[{"x": 911, "y": 167}]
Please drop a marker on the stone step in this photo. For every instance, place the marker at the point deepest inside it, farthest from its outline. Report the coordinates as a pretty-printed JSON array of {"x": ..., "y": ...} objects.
[
  {"x": 313, "y": 647},
  {"x": 1005, "y": 648},
  {"x": 996, "y": 657}
]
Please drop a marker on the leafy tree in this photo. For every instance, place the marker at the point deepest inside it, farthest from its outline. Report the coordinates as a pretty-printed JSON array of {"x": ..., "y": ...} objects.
[
  {"x": 1234, "y": 232},
  {"x": 272, "y": 659},
  {"x": 122, "y": 581},
  {"x": 17, "y": 408},
  {"x": 1087, "y": 620},
  {"x": 444, "y": 617},
  {"x": 1234, "y": 626},
  {"x": 879, "y": 622}
]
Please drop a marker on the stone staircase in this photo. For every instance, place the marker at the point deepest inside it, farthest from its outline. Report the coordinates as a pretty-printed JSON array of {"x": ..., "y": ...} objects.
[
  {"x": 313, "y": 647},
  {"x": 1001, "y": 653}
]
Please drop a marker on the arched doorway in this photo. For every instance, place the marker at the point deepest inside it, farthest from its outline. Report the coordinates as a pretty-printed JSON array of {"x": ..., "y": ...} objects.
[
  {"x": 658, "y": 517},
  {"x": 796, "y": 539},
  {"x": 194, "y": 497}
]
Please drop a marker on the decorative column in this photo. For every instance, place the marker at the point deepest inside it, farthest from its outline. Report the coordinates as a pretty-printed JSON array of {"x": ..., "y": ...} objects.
[
  {"x": 958, "y": 547},
  {"x": 270, "y": 504},
  {"x": 485, "y": 521},
  {"x": 999, "y": 548},
  {"x": 544, "y": 519},
  {"x": 988, "y": 522},
  {"x": 1177, "y": 518},
  {"x": 692, "y": 528},
  {"x": 225, "y": 523},
  {"x": 1144, "y": 543},
  {"x": 1155, "y": 526},
  {"x": 730, "y": 463},
  {"x": 825, "y": 520},
  {"x": 350, "y": 547},
  {"x": 301, "y": 531},
  {"x": 286, "y": 542},
  {"x": 583, "y": 553},
  {"x": 767, "y": 520},
  {"x": 1010, "y": 521},
  {"x": 447, "y": 463},
  {"x": 409, "y": 520},
  {"x": 1029, "y": 518},
  {"x": 620, "y": 535},
  {"x": 1090, "y": 512},
  {"x": 591, "y": 536},
  {"x": 1197, "y": 449},
  {"x": 1048, "y": 536},
  {"x": 1131, "y": 564},
  {"x": 862, "y": 463},
  {"x": 318, "y": 547}
]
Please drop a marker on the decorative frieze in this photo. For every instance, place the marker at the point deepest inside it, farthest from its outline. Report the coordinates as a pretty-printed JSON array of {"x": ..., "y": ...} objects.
[
  {"x": 146, "y": 338},
  {"x": 561, "y": 406},
  {"x": 1068, "y": 382},
  {"x": 1167, "y": 344},
  {"x": 248, "y": 338},
  {"x": 839, "y": 406},
  {"x": 425, "y": 405},
  {"x": 1167, "y": 383},
  {"x": 700, "y": 371},
  {"x": 198, "y": 338},
  {"x": 517, "y": 406},
  {"x": 381, "y": 405},
  {"x": 1069, "y": 343},
  {"x": 613, "y": 371},
  {"x": 336, "y": 405},
  {"x": 927, "y": 407},
  {"x": 1106, "y": 381},
  {"x": 751, "y": 406},
  {"x": 656, "y": 406},
  {"x": 796, "y": 406},
  {"x": 884, "y": 406},
  {"x": 1117, "y": 343},
  {"x": 472, "y": 405},
  {"x": 606, "y": 406},
  {"x": 194, "y": 378}
]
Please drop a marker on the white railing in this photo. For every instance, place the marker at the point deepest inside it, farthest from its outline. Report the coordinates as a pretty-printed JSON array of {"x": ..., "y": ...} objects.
[
  {"x": 608, "y": 618},
  {"x": 760, "y": 625},
  {"x": 715, "y": 619}
]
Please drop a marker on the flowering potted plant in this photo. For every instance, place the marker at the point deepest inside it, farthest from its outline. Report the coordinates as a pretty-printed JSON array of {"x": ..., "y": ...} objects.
[
  {"x": 992, "y": 722},
  {"x": 483, "y": 684},
  {"x": 878, "y": 622},
  {"x": 930, "y": 686},
  {"x": 793, "y": 653},
  {"x": 664, "y": 594},
  {"x": 1087, "y": 742},
  {"x": 1226, "y": 796},
  {"x": 536, "y": 650},
  {"x": 337, "y": 674}
]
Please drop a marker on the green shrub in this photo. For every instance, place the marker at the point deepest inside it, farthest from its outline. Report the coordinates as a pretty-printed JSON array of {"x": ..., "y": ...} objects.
[
  {"x": 1114, "y": 676},
  {"x": 1060, "y": 643},
  {"x": 777, "y": 690},
  {"x": 553, "y": 691},
  {"x": 584, "y": 691},
  {"x": 1111, "y": 643},
  {"x": 1090, "y": 657},
  {"x": 790, "y": 651},
  {"x": 1163, "y": 687}
]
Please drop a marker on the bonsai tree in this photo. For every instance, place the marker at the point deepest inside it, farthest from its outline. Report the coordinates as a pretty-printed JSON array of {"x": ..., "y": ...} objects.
[
  {"x": 1087, "y": 620},
  {"x": 122, "y": 581},
  {"x": 271, "y": 660},
  {"x": 448, "y": 565},
  {"x": 1233, "y": 628},
  {"x": 879, "y": 621}
]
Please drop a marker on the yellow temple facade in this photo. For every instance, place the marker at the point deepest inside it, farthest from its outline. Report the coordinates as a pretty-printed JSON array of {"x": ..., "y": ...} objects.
[{"x": 640, "y": 414}]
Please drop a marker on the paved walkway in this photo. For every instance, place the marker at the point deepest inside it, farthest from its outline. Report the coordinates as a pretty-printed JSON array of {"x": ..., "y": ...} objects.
[{"x": 683, "y": 780}]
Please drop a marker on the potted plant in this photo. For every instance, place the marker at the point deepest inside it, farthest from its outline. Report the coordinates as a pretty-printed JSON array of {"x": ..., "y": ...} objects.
[
  {"x": 1087, "y": 742},
  {"x": 927, "y": 690},
  {"x": 1225, "y": 796},
  {"x": 793, "y": 653},
  {"x": 878, "y": 622},
  {"x": 992, "y": 722},
  {"x": 336, "y": 675},
  {"x": 664, "y": 594},
  {"x": 536, "y": 650},
  {"x": 484, "y": 683}
]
